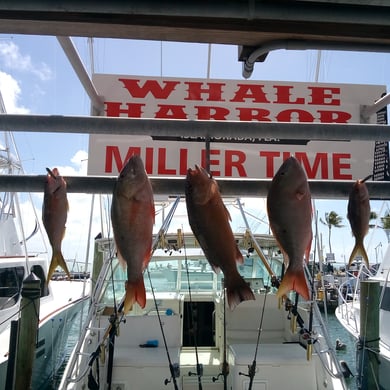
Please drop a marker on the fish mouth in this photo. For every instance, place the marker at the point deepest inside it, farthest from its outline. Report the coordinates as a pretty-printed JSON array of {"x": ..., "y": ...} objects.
[
  {"x": 192, "y": 171},
  {"x": 51, "y": 173}
]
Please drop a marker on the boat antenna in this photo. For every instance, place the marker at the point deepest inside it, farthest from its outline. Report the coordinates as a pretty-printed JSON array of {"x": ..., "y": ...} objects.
[
  {"x": 199, "y": 367},
  {"x": 225, "y": 364},
  {"x": 252, "y": 367}
]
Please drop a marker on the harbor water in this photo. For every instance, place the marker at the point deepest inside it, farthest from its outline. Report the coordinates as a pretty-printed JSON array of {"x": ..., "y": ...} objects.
[{"x": 337, "y": 331}]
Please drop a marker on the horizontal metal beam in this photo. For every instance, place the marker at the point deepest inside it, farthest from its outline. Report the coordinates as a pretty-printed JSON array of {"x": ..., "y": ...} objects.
[
  {"x": 184, "y": 128},
  {"x": 249, "y": 23},
  {"x": 260, "y": 53},
  {"x": 320, "y": 189}
]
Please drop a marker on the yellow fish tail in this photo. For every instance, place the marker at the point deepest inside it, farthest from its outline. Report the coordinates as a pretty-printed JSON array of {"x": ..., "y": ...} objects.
[
  {"x": 57, "y": 260},
  {"x": 359, "y": 248}
]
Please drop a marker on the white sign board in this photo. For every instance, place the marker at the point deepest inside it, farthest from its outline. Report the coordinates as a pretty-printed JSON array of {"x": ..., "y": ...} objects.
[{"x": 232, "y": 100}]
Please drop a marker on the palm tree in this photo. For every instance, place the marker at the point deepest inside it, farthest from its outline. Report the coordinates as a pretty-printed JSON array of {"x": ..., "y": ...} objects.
[
  {"x": 385, "y": 222},
  {"x": 332, "y": 219}
]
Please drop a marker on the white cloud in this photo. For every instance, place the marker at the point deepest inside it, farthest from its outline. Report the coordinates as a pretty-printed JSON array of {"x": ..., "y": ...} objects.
[
  {"x": 10, "y": 91},
  {"x": 12, "y": 58}
]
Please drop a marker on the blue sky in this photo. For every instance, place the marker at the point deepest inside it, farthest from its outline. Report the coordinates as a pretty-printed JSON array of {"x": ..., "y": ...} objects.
[{"x": 36, "y": 78}]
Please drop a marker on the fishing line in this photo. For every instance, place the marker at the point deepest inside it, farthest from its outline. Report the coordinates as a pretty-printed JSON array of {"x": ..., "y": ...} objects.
[
  {"x": 252, "y": 367},
  {"x": 164, "y": 227},
  {"x": 171, "y": 366},
  {"x": 199, "y": 368},
  {"x": 225, "y": 364}
]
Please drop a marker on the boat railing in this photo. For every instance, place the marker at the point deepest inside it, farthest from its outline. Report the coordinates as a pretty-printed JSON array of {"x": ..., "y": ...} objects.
[
  {"x": 349, "y": 294},
  {"x": 328, "y": 355}
]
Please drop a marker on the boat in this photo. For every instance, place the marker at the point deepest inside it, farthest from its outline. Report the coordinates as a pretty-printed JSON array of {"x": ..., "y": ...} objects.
[
  {"x": 187, "y": 338},
  {"x": 60, "y": 302},
  {"x": 348, "y": 314},
  {"x": 326, "y": 289}
]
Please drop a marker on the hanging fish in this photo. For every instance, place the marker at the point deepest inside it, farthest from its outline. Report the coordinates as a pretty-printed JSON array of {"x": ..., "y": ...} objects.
[
  {"x": 209, "y": 221},
  {"x": 132, "y": 216},
  {"x": 290, "y": 213},
  {"x": 359, "y": 217},
  {"x": 54, "y": 214}
]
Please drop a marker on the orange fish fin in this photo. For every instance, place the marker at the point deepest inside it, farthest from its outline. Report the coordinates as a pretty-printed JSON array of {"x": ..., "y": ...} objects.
[
  {"x": 153, "y": 212},
  {"x": 307, "y": 252},
  {"x": 239, "y": 257},
  {"x": 135, "y": 292},
  {"x": 294, "y": 281},
  {"x": 359, "y": 248},
  {"x": 227, "y": 213},
  {"x": 146, "y": 260},
  {"x": 237, "y": 291},
  {"x": 57, "y": 260}
]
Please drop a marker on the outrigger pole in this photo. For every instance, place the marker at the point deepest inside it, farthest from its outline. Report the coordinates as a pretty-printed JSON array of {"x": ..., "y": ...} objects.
[{"x": 256, "y": 246}]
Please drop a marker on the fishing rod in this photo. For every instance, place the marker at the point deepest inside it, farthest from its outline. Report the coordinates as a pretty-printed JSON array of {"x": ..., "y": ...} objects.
[
  {"x": 112, "y": 332},
  {"x": 225, "y": 364},
  {"x": 173, "y": 368},
  {"x": 252, "y": 367},
  {"x": 199, "y": 367},
  {"x": 115, "y": 320}
]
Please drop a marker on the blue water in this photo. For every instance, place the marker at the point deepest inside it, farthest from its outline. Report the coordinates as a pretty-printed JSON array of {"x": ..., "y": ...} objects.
[
  {"x": 337, "y": 331},
  {"x": 54, "y": 382}
]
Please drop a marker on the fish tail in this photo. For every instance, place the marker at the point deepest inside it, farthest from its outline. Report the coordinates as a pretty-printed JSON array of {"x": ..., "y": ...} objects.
[
  {"x": 135, "y": 292},
  {"x": 57, "y": 260},
  {"x": 237, "y": 291},
  {"x": 294, "y": 280},
  {"x": 359, "y": 247}
]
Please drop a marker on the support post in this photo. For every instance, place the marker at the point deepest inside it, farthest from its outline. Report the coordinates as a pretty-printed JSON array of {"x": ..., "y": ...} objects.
[
  {"x": 368, "y": 362},
  {"x": 98, "y": 258},
  {"x": 27, "y": 335}
]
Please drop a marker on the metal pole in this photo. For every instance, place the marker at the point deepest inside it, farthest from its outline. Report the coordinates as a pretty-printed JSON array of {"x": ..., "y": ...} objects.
[
  {"x": 369, "y": 335},
  {"x": 27, "y": 337}
]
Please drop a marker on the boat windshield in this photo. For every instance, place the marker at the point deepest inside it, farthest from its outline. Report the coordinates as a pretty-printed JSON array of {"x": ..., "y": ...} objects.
[
  {"x": 171, "y": 273},
  {"x": 10, "y": 285}
]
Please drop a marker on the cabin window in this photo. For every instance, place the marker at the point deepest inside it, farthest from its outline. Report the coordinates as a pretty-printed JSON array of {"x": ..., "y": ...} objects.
[
  {"x": 11, "y": 279},
  {"x": 198, "y": 324},
  {"x": 40, "y": 273},
  {"x": 385, "y": 304}
]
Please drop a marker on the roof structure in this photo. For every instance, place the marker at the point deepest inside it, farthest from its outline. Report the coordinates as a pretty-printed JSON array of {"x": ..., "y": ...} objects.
[{"x": 255, "y": 26}]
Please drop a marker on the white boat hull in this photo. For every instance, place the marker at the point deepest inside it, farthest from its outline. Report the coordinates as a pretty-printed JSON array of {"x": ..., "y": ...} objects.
[{"x": 58, "y": 312}]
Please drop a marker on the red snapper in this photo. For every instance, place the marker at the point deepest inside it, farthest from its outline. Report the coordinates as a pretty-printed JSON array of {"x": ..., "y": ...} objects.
[
  {"x": 290, "y": 214},
  {"x": 359, "y": 217},
  {"x": 209, "y": 221},
  {"x": 54, "y": 214},
  {"x": 132, "y": 216}
]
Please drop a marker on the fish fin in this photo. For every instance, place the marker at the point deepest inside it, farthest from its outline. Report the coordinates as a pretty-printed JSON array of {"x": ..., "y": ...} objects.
[
  {"x": 153, "y": 212},
  {"x": 307, "y": 251},
  {"x": 146, "y": 260},
  {"x": 359, "y": 247},
  {"x": 294, "y": 280},
  {"x": 237, "y": 291},
  {"x": 227, "y": 213},
  {"x": 135, "y": 292},
  {"x": 239, "y": 257},
  {"x": 57, "y": 260}
]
